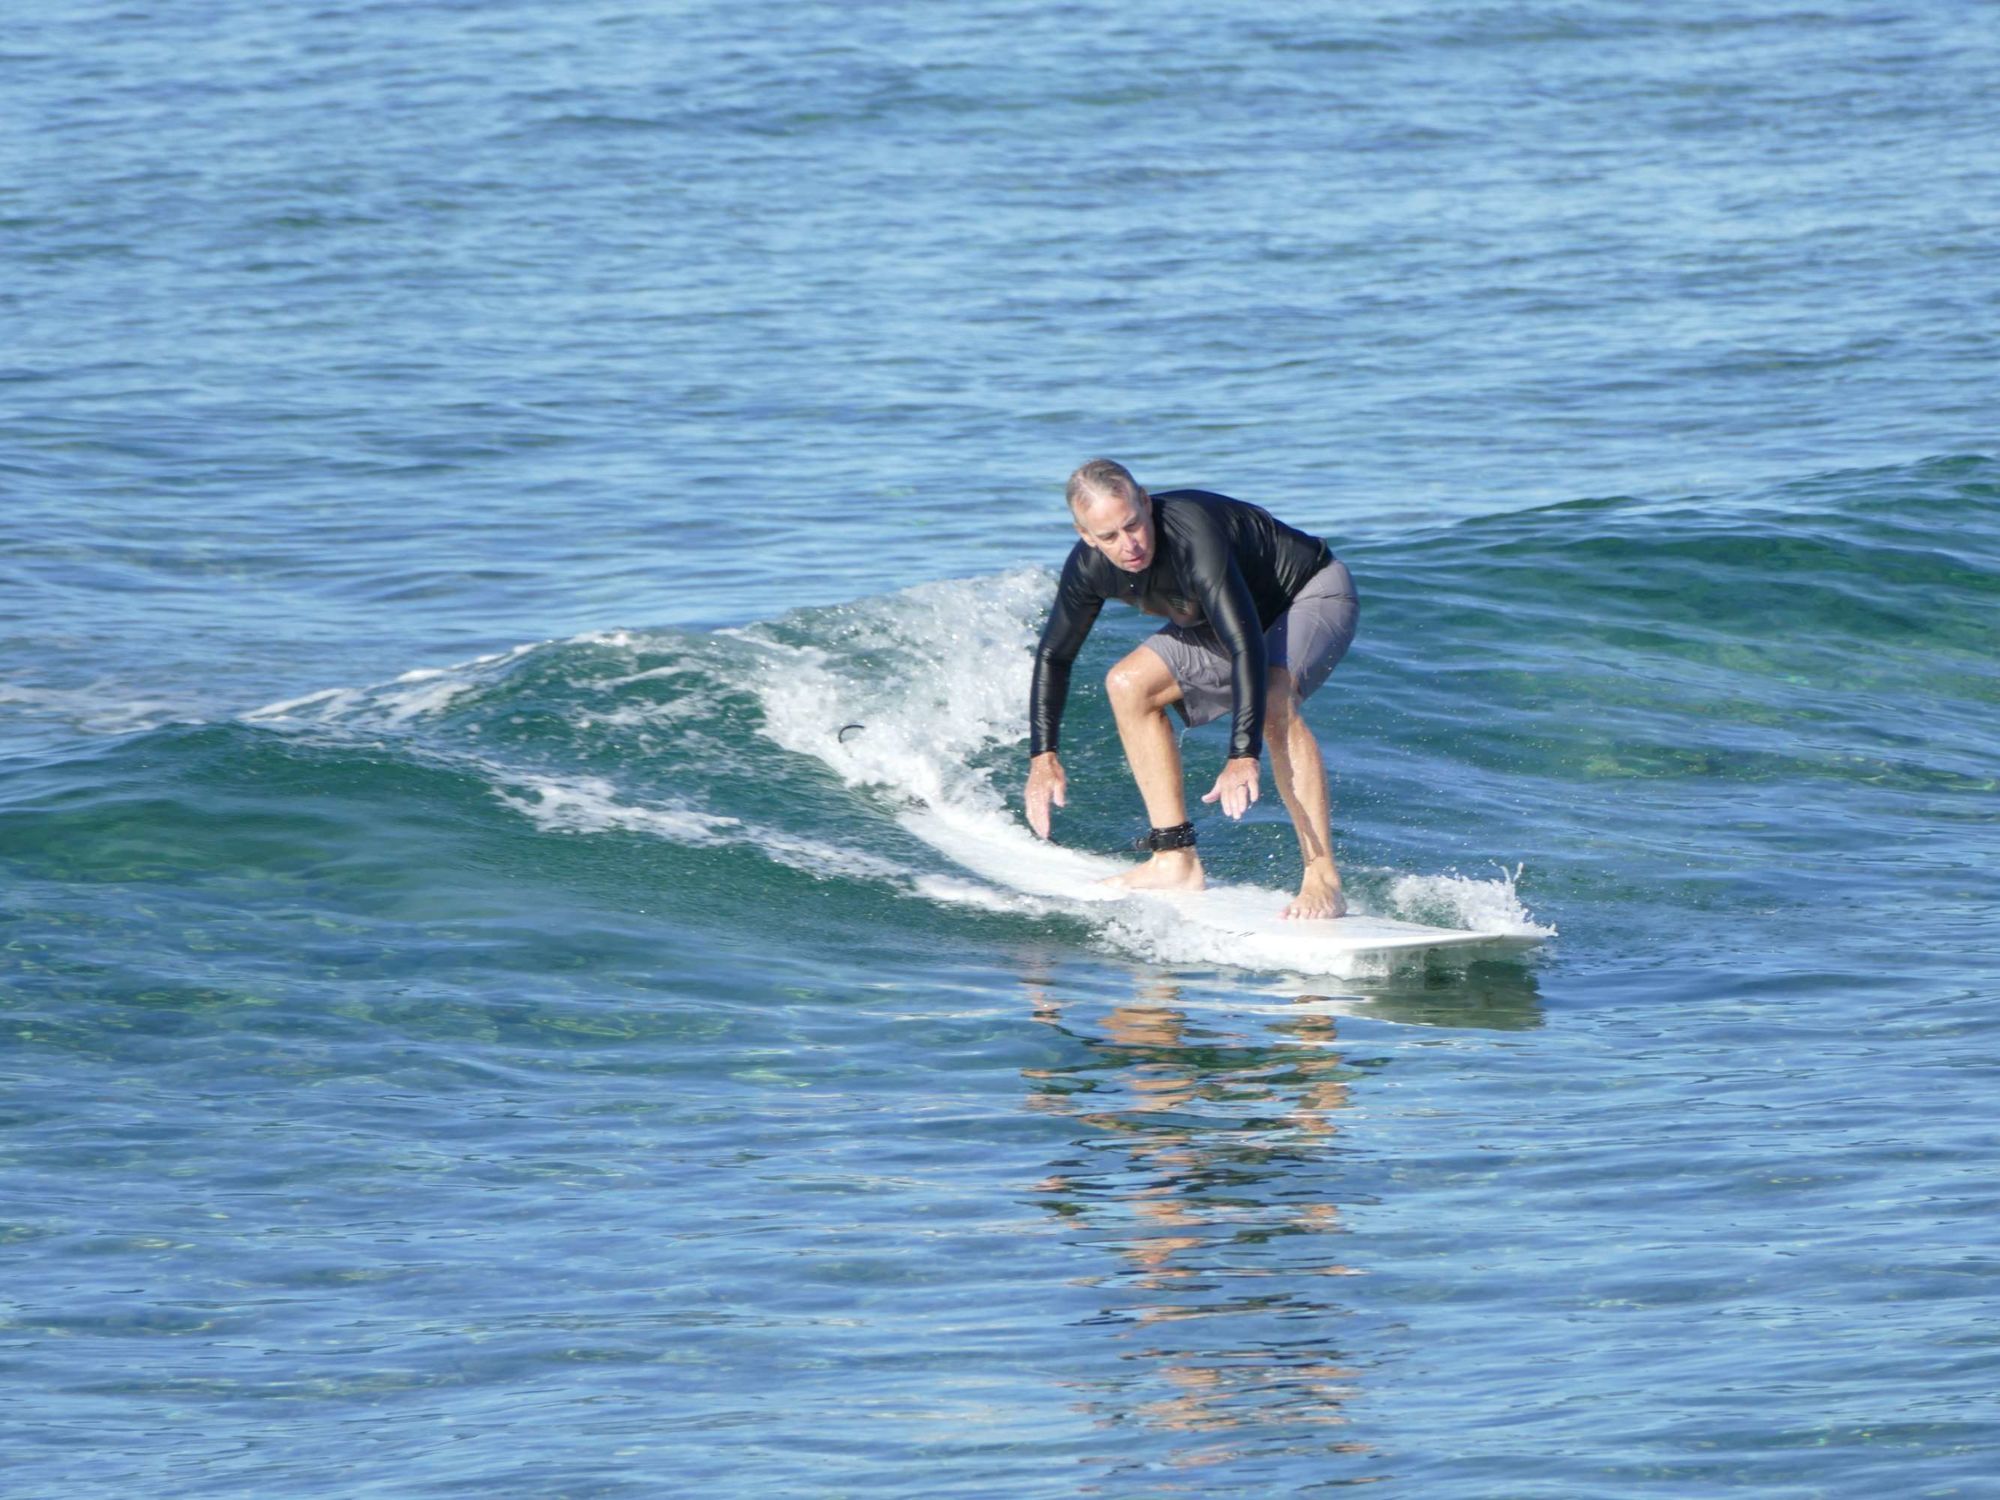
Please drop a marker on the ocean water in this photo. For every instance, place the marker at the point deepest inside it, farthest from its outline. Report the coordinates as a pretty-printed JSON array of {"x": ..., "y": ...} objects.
[{"x": 475, "y": 1016}]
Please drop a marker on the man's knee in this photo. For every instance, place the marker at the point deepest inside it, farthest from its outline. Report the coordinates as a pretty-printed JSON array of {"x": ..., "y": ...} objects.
[
  {"x": 1126, "y": 687},
  {"x": 1139, "y": 684}
]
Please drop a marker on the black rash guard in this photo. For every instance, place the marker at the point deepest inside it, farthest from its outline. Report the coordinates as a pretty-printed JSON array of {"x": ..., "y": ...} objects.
[{"x": 1216, "y": 562}]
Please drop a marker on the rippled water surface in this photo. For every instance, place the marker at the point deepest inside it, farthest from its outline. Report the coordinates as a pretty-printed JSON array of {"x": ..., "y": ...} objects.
[{"x": 470, "y": 1019}]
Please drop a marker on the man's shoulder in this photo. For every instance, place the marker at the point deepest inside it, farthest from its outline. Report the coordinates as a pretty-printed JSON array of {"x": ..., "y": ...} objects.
[
  {"x": 1189, "y": 518},
  {"x": 1192, "y": 507},
  {"x": 1084, "y": 568}
]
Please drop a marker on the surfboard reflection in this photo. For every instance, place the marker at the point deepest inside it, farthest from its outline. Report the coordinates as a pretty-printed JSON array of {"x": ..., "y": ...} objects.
[
  {"x": 1202, "y": 1163},
  {"x": 1211, "y": 1163}
]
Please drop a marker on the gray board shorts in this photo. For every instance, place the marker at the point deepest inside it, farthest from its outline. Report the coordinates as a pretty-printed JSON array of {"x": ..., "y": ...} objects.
[{"x": 1310, "y": 638}]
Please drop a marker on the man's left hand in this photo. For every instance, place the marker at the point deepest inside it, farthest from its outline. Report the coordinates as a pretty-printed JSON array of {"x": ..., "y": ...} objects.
[{"x": 1236, "y": 787}]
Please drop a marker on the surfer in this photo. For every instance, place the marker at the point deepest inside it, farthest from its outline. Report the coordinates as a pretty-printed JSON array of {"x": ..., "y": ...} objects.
[{"x": 1258, "y": 615}]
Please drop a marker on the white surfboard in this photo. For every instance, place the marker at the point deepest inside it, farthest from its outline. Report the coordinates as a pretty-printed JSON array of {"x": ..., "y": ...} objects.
[
  {"x": 1240, "y": 926},
  {"x": 1255, "y": 912}
]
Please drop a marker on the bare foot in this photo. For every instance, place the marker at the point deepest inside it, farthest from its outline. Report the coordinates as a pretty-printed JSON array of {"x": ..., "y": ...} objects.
[
  {"x": 1319, "y": 895},
  {"x": 1168, "y": 870}
]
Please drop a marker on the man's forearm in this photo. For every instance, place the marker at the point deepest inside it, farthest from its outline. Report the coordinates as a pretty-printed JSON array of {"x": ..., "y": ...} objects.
[{"x": 1046, "y": 697}]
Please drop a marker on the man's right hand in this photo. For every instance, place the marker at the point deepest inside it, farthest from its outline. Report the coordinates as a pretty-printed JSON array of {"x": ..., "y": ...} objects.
[{"x": 1046, "y": 785}]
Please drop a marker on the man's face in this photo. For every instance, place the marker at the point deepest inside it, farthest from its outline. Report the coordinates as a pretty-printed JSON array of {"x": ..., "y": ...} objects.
[{"x": 1119, "y": 528}]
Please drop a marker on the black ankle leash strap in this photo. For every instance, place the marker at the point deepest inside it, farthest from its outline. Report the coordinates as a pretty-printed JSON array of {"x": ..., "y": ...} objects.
[{"x": 1180, "y": 836}]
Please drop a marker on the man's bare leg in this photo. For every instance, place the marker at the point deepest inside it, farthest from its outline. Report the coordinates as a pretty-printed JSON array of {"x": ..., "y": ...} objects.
[
  {"x": 1141, "y": 687},
  {"x": 1301, "y": 776}
]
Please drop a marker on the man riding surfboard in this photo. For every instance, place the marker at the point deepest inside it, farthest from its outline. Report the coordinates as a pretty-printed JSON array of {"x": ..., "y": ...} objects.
[{"x": 1258, "y": 616}]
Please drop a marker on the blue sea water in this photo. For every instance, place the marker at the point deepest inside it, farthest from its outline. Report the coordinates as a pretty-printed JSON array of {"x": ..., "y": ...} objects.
[{"x": 469, "y": 1021}]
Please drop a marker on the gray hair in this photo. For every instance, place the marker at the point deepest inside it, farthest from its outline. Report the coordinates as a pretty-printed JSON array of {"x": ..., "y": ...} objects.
[{"x": 1102, "y": 476}]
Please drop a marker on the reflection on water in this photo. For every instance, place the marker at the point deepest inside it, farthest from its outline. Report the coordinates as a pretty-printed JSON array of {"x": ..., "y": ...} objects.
[
  {"x": 1462, "y": 988},
  {"x": 1209, "y": 1164},
  {"x": 1205, "y": 1163}
]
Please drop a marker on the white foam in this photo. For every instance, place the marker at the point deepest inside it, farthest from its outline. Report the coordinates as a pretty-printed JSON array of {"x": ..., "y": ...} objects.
[
  {"x": 694, "y": 708},
  {"x": 826, "y": 861},
  {"x": 101, "y": 708},
  {"x": 1455, "y": 900},
  {"x": 331, "y": 703},
  {"x": 578, "y": 804},
  {"x": 592, "y": 804},
  {"x": 942, "y": 676},
  {"x": 948, "y": 891},
  {"x": 416, "y": 694}
]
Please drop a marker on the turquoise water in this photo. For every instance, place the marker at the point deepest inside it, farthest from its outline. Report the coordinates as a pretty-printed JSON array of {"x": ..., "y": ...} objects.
[{"x": 468, "y": 1020}]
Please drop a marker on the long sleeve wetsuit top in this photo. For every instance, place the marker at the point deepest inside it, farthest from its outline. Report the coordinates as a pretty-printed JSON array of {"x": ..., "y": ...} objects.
[{"x": 1217, "y": 563}]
